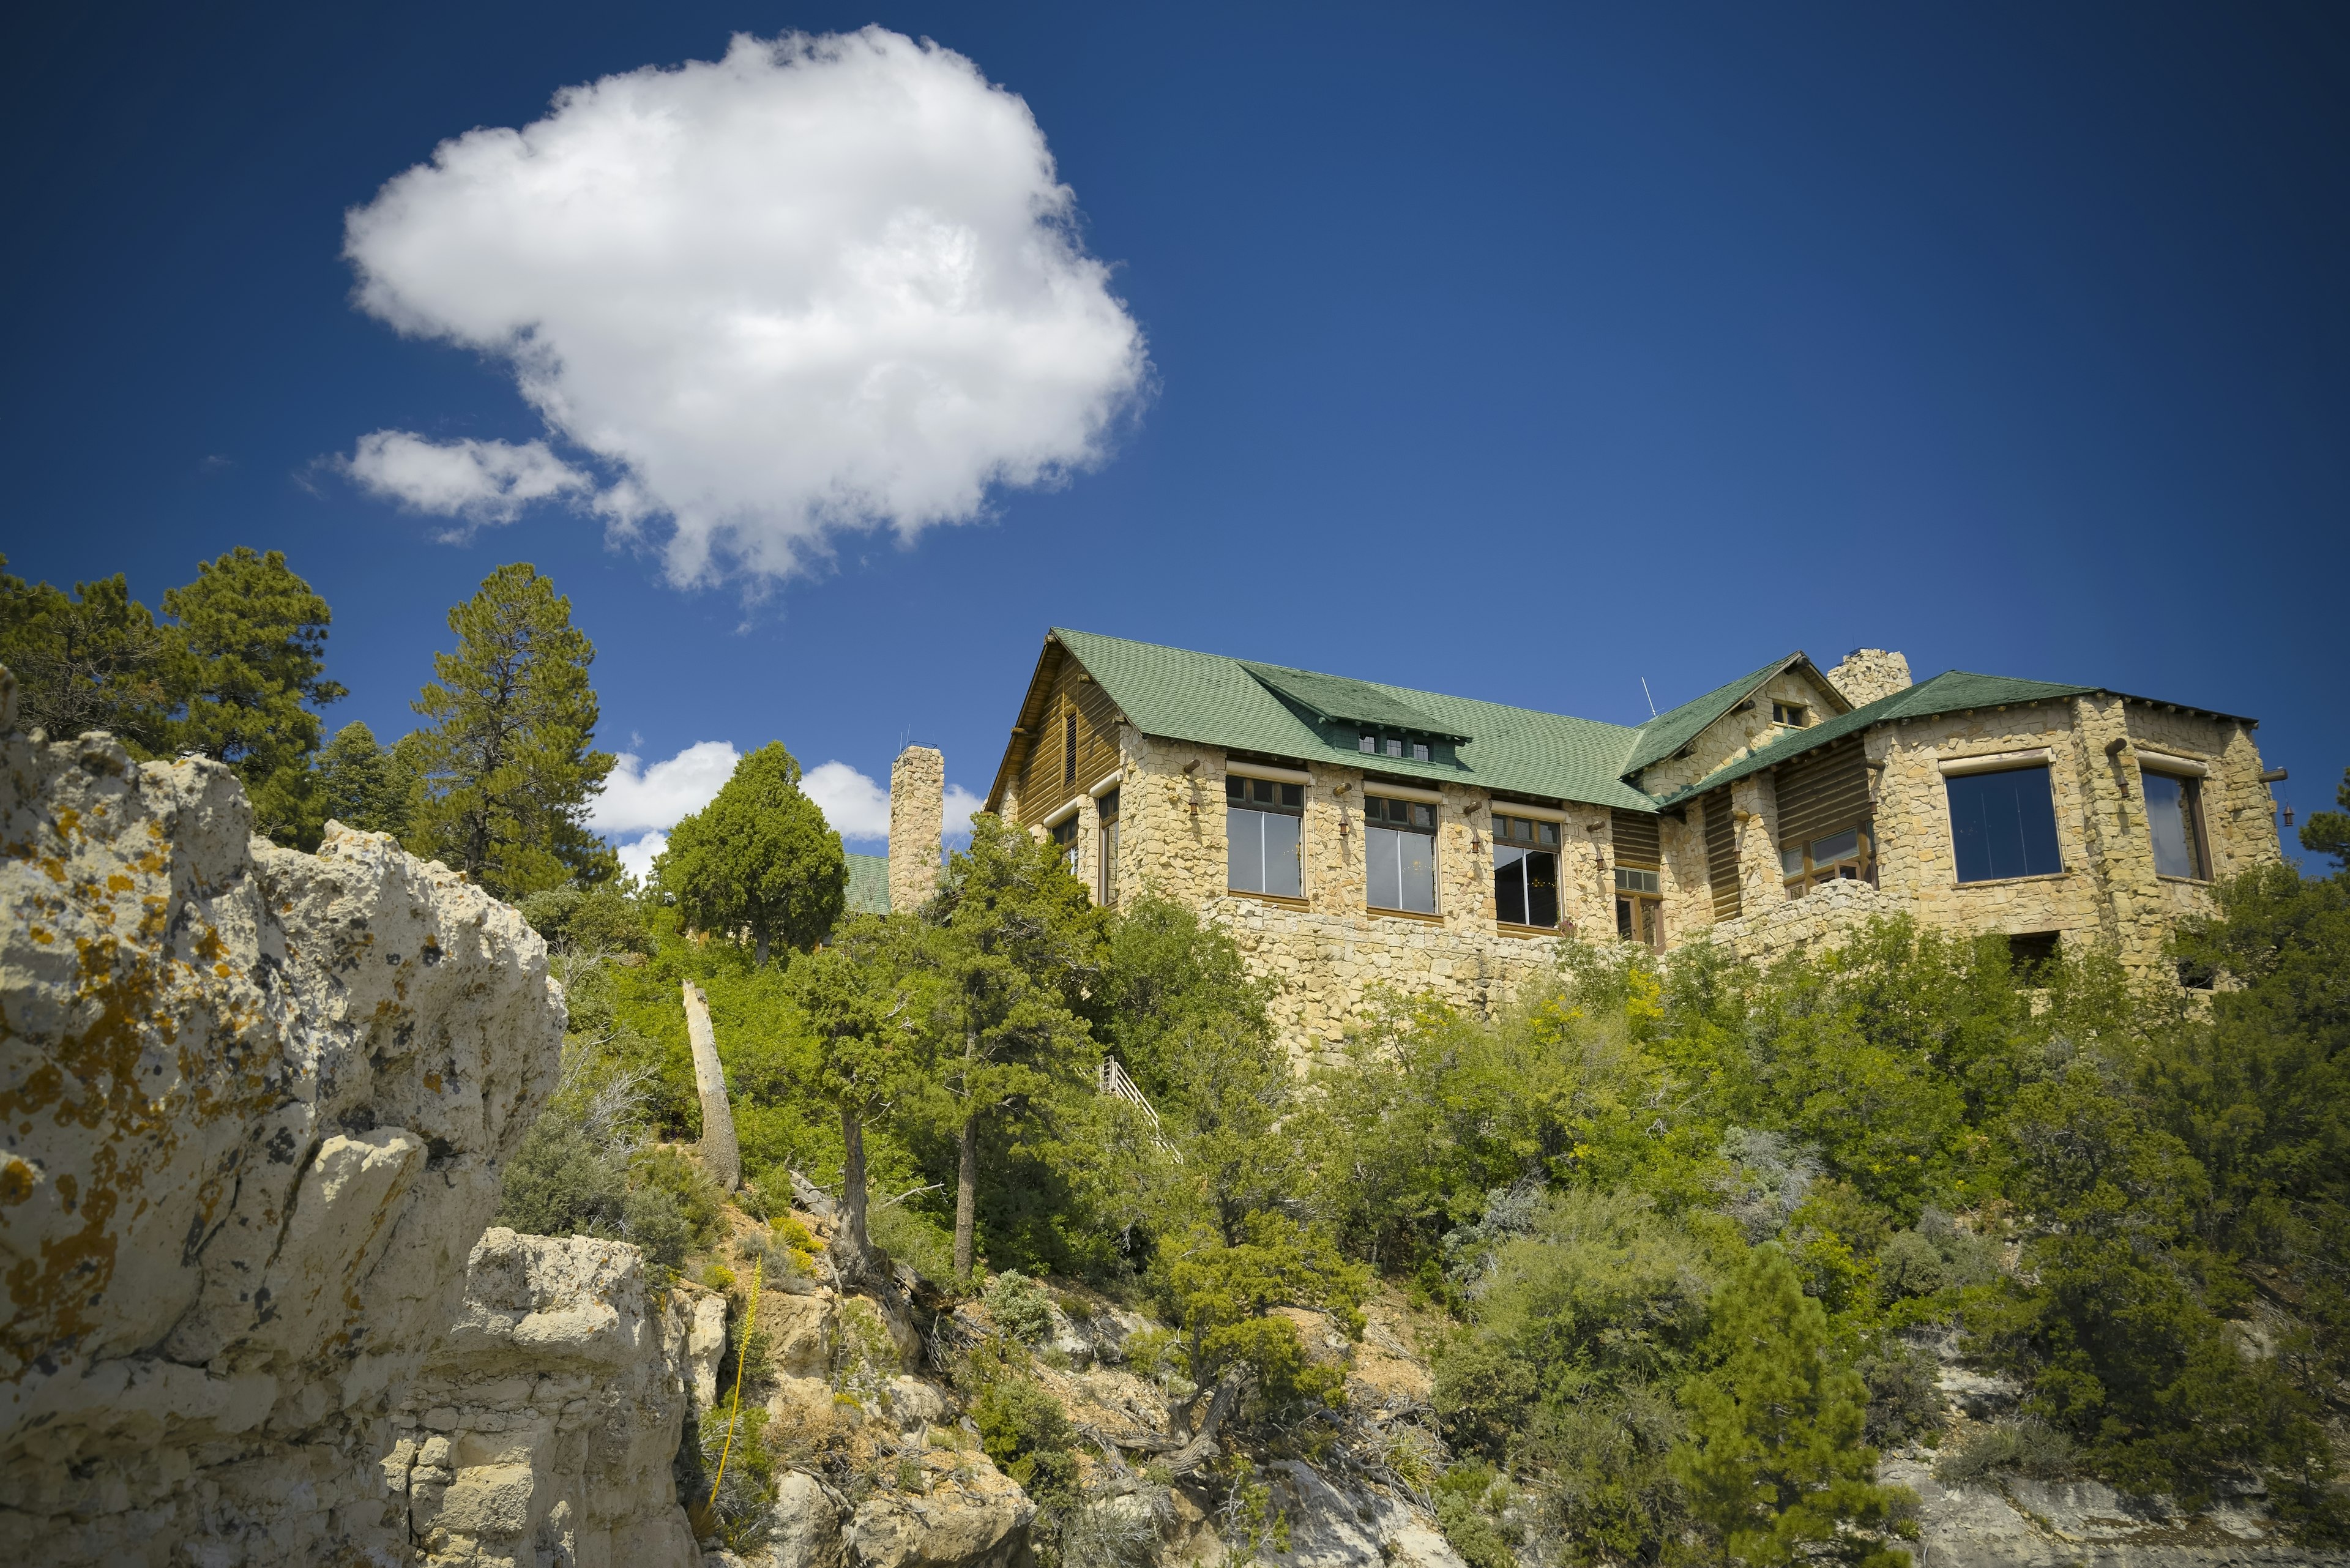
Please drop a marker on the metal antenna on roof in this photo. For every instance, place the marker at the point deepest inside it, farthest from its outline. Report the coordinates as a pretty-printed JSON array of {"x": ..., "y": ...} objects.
[{"x": 1644, "y": 691}]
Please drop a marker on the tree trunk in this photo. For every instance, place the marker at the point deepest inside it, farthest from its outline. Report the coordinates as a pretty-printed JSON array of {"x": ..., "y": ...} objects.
[
  {"x": 966, "y": 1195},
  {"x": 967, "y": 1168},
  {"x": 1188, "y": 1458},
  {"x": 762, "y": 947},
  {"x": 719, "y": 1151},
  {"x": 852, "y": 1191}
]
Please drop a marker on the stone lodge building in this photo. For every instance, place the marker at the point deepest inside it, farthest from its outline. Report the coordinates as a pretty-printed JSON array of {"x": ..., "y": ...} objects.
[{"x": 1350, "y": 834}]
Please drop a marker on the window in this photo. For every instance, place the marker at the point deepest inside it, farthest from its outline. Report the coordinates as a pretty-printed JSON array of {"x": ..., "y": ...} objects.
[
  {"x": 1069, "y": 748},
  {"x": 1640, "y": 907},
  {"x": 2004, "y": 824},
  {"x": 2029, "y": 952},
  {"x": 1106, "y": 859},
  {"x": 1525, "y": 871},
  {"x": 1795, "y": 715},
  {"x": 1399, "y": 854},
  {"x": 1393, "y": 746},
  {"x": 1840, "y": 857},
  {"x": 1065, "y": 833},
  {"x": 2174, "y": 815},
  {"x": 1262, "y": 823}
]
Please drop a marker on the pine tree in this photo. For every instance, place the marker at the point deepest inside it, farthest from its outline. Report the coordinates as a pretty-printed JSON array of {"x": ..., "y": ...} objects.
[
  {"x": 364, "y": 785},
  {"x": 1774, "y": 1462},
  {"x": 94, "y": 661},
  {"x": 2328, "y": 832},
  {"x": 870, "y": 1053},
  {"x": 760, "y": 858},
  {"x": 507, "y": 760},
  {"x": 1013, "y": 940}
]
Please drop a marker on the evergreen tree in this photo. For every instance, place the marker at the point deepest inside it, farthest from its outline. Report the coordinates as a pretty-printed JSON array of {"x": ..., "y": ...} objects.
[
  {"x": 94, "y": 661},
  {"x": 251, "y": 644},
  {"x": 1012, "y": 941},
  {"x": 2328, "y": 832},
  {"x": 1774, "y": 1462},
  {"x": 870, "y": 1053},
  {"x": 760, "y": 858},
  {"x": 363, "y": 785},
  {"x": 508, "y": 766}
]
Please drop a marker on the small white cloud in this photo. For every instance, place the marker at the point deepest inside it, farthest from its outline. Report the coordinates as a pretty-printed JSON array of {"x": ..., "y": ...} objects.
[
  {"x": 857, "y": 807},
  {"x": 637, "y": 797},
  {"x": 822, "y": 282},
  {"x": 961, "y": 807},
  {"x": 479, "y": 481},
  {"x": 637, "y": 859}
]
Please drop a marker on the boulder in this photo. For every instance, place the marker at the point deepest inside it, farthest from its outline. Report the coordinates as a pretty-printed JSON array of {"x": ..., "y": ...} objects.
[
  {"x": 256, "y": 1107},
  {"x": 969, "y": 1515},
  {"x": 542, "y": 1428}
]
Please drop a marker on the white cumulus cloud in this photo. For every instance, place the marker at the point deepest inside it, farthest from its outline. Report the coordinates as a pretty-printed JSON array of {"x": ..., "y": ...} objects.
[
  {"x": 961, "y": 807},
  {"x": 637, "y": 797},
  {"x": 856, "y": 806},
  {"x": 822, "y": 283},
  {"x": 637, "y": 859},
  {"x": 479, "y": 481}
]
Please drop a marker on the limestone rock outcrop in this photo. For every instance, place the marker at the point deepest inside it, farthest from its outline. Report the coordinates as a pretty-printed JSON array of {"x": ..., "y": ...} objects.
[
  {"x": 256, "y": 1107},
  {"x": 543, "y": 1426}
]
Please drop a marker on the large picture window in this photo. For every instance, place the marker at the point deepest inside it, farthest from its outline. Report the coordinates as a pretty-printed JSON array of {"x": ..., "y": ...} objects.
[
  {"x": 2004, "y": 824},
  {"x": 1525, "y": 871},
  {"x": 2174, "y": 813},
  {"x": 1399, "y": 854},
  {"x": 1262, "y": 819}
]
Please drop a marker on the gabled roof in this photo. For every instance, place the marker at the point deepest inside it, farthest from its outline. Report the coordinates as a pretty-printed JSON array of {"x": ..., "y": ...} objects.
[
  {"x": 1669, "y": 731},
  {"x": 1214, "y": 701},
  {"x": 1952, "y": 692}
]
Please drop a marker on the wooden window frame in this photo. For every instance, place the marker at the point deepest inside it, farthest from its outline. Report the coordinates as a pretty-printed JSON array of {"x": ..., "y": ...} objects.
[
  {"x": 1814, "y": 872},
  {"x": 1531, "y": 844},
  {"x": 1410, "y": 799},
  {"x": 2190, "y": 787},
  {"x": 1640, "y": 910},
  {"x": 1792, "y": 715},
  {"x": 1279, "y": 805}
]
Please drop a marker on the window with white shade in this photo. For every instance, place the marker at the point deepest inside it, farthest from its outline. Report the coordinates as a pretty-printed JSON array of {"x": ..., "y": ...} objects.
[
  {"x": 1399, "y": 854},
  {"x": 1263, "y": 824}
]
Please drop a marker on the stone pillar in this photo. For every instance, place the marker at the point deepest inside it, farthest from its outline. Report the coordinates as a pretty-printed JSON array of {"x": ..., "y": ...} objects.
[
  {"x": 1754, "y": 807},
  {"x": 1869, "y": 673},
  {"x": 719, "y": 1151},
  {"x": 918, "y": 816}
]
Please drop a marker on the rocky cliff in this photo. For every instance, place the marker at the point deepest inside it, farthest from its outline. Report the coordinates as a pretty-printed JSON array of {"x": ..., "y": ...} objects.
[{"x": 254, "y": 1106}]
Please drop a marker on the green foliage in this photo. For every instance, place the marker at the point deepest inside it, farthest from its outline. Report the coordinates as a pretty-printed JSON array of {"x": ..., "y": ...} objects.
[
  {"x": 252, "y": 642},
  {"x": 1469, "y": 1496},
  {"x": 94, "y": 661},
  {"x": 508, "y": 766},
  {"x": 1221, "y": 1297},
  {"x": 2017, "y": 1448},
  {"x": 744, "y": 1517},
  {"x": 604, "y": 918},
  {"x": 2328, "y": 832},
  {"x": 1020, "y": 1307},
  {"x": 758, "y": 858},
  {"x": 1023, "y": 1428},
  {"x": 1773, "y": 1467},
  {"x": 1582, "y": 1329},
  {"x": 364, "y": 785}
]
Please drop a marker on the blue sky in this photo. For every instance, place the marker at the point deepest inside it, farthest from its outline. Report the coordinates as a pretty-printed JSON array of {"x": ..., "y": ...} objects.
[{"x": 1518, "y": 353}]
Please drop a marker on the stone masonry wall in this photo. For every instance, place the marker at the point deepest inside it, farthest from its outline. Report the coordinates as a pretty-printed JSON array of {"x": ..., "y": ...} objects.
[{"x": 1868, "y": 674}]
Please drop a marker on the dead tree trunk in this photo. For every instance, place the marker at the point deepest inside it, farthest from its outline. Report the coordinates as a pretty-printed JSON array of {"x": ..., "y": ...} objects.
[{"x": 719, "y": 1151}]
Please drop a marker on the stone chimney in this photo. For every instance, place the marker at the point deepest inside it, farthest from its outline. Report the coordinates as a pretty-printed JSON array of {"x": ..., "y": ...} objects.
[
  {"x": 1869, "y": 673},
  {"x": 918, "y": 816}
]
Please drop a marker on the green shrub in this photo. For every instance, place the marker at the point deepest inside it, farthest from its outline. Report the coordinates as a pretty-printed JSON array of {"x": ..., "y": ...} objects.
[
  {"x": 1020, "y": 1307},
  {"x": 913, "y": 1239},
  {"x": 2024, "y": 1448}
]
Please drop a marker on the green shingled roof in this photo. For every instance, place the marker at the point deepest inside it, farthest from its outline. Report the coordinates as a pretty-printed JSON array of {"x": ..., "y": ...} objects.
[
  {"x": 1328, "y": 697},
  {"x": 869, "y": 884},
  {"x": 1669, "y": 730},
  {"x": 1952, "y": 692},
  {"x": 1215, "y": 700}
]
